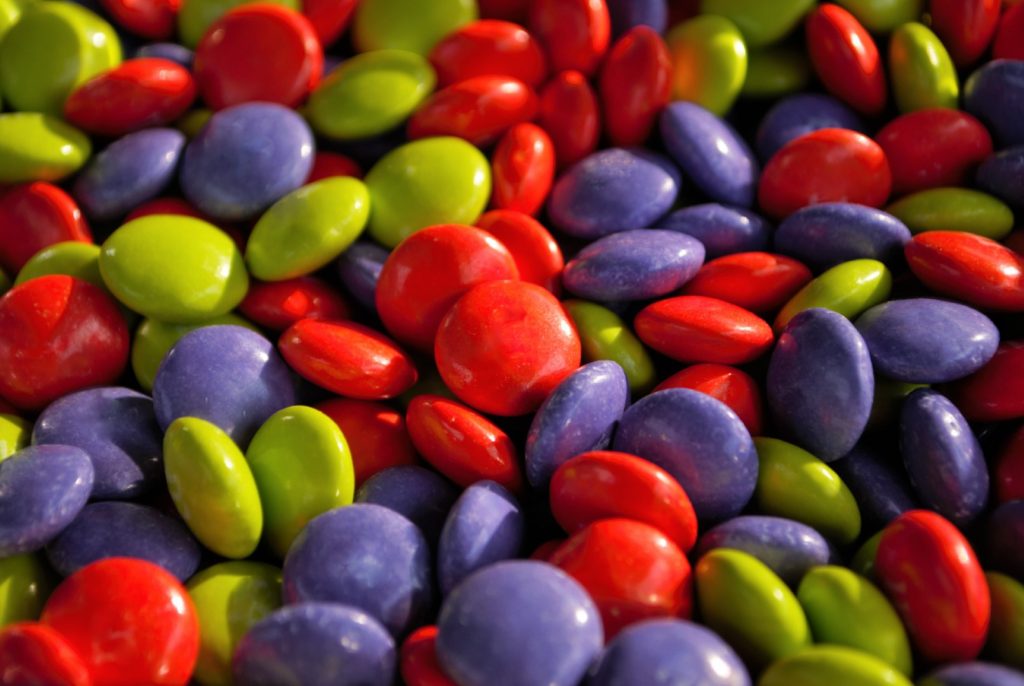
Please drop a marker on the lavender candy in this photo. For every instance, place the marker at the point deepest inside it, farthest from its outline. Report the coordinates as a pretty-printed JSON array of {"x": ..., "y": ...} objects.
[
  {"x": 796, "y": 115},
  {"x": 420, "y": 495},
  {"x": 822, "y": 236},
  {"x": 1002, "y": 175},
  {"x": 626, "y": 14},
  {"x": 878, "y": 482},
  {"x": 359, "y": 268},
  {"x": 168, "y": 51},
  {"x": 974, "y": 674},
  {"x": 995, "y": 95},
  {"x": 721, "y": 230}
]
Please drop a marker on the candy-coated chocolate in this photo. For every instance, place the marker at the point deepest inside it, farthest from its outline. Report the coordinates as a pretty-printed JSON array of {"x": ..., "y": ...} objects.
[
  {"x": 604, "y": 336},
  {"x": 39, "y": 147},
  {"x": 489, "y": 46},
  {"x": 523, "y": 169},
  {"x": 878, "y": 482},
  {"x": 721, "y": 229},
  {"x": 408, "y": 24},
  {"x": 796, "y": 115},
  {"x": 359, "y": 267},
  {"x": 1002, "y": 175},
  {"x": 846, "y": 58},
  {"x": 172, "y": 52},
  {"x": 34, "y": 216},
  {"x": 828, "y": 234},
  {"x": 1009, "y": 469},
  {"x": 635, "y": 84},
  {"x": 966, "y": 28},
  {"x": 418, "y": 658},
  {"x": 329, "y": 18},
  {"x": 775, "y": 71},
  {"x": 375, "y": 433},
  {"x": 575, "y": 33},
  {"x": 732, "y": 386},
  {"x": 1003, "y": 534},
  {"x": 922, "y": 73},
  {"x": 971, "y": 268},
  {"x": 478, "y": 109},
  {"x": 72, "y": 258},
  {"x": 15, "y": 433},
  {"x": 709, "y": 62},
  {"x": 974, "y": 674},
  {"x": 279, "y": 304},
  {"x": 32, "y": 653},
  {"x": 569, "y": 113},
  {"x": 153, "y": 19},
  {"x": 993, "y": 393},
  {"x": 955, "y": 209},
  {"x": 755, "y": 281},
  {"x": 417, "y": 493},
  {"x": 168, "y": 205},
  {"x": 882, "y": 16},
  {"x": 196, "y": 16},
  {"x": 863, "y": 560},
  {"x": 787, "y": 547},
  {"x": 627, "y": 14},
  {"x": 328, "y": 164},
  {"x": 1007, "y": 43},
  {"x": 832, "y": 664},
  {"x": 848, "y": 288},
  {"x": 537, "y": 255},
  {"x": 760, "y": 24},
  {"x": 1006, "y": 632}
]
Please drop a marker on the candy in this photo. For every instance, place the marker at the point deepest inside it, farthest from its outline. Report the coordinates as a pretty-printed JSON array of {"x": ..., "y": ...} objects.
[
  {"x": 709, "y": 62},
  {"x": 1009, "y": 476},
  {"x": 822, "y": 664},
  {"x": 359, "y": 268},
  {"x": 604, "y": 336},
  {"x": 849, "y": 288},
  {"x": 787, "y": 547},
  {"x": 846, "y": 58},
  {"x": 882, "y": 16},
  {"x": 408, "y": 24},
  {"x": 1005, "y": 525},
  {"x": 15, "y": 433},
  {"x": 992, "y": 393},
  {"x": 730, "y": 385},
  {"x": 1002, "y": 175},
  {"x": 829, "y": 234},
  {"x": 33, "y": 651},
  {"x": 534, "y": 250},
  {"x": 575, "y": 33},
  {"x": 418, "y": 659},
  {"x": 922, "y": 74},
  {"x": 570, "y": 114},
  {"x": 489, "y": 47},
  {"x": 722, "y": 230},
  {"x": 1007, "y": 44},
  {"x": 71, "y": 258},
  {"x": 975, "y": 674},
  {"x": 1006, "y": 632},
  {"x": 955, "y": 209},
  {"x": 993, "y": 95},
  {"x": 775, "y": 71},
  {"x": 635, "y": 84},
  {"x": 478, "y": 110},
  {"x": 195, "y": 16},
  {"x": 760, "y": 26},
  {"x": 39, "y": 147},
  {"x": 881, "y": 488},
  {"x": 796, "y": 115},
  {"x": 418, "y": 494},
  {"x": 279, "y": 304},
  {"x": 172, "y": 52},
  {"x": 153, "y": 19},
  {"x": 34, "y": 216},
  {"x": 971, "y": 268}
]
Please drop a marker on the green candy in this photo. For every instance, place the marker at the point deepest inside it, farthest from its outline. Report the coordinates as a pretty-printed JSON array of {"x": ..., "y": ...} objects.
[
  {"x": 827, "y": 664},
  {"x": 370, "y": 94},
  {"x": 38, "y": 147},
  {"x": 709, "y": 62},
  {"x": 412, "y": 25},
  {"x": 229, "y": 598},
  {"x": 212, "y": 486},
  {"x": 307, "y": 228},
  {"x": 793, "y": 483},
  {"x": 605, "y": 336},
  {"x": 922, "y": 73},
  {"x": 849, "y": 288},
  {"x": 74, "y": 258},
  {"x": 761, "y": 23},
  {"x": 440, "y": 180},
  {"x": 196, "y": 16},
  {"x": 752, "y": 608},
  {"x": 882, "y": 16},
  {"x": 1006, "y": 632},
  {"x": 775, "y": 71},
  {"x": 846, "y": 609},
  {"x": 173, "y": 268},
  {"x": 954, "y": 209},
  {"x": 193, "y": 122},
  {"x": 10, "y": 13},
  {"x": 863, "y": 561},
  {"x": 53, "y": 48},
  {"x": 25, "y": 584},
  {"x": 15, "y": 433},
  {"x": 303, "y": 468}
]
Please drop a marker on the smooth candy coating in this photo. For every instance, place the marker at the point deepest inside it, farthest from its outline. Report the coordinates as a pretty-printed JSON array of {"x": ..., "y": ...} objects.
[
  {"x": 626, "y": 14},
  {"x": 375, "y": 433},
  {"x": 1002, "y": 175},
  {"x": 993, "y": 393},
  {"x": 359, "y": 267},
  {"x": 570, "y": 114},
  {"x": 635, "y": 84},
  {"x": 478, "y": 110},
  {"x": 537, "y": 255},
  {"x": 489, "y": 46},
  {"x": 1007, "y": 43},
  {"x": 878, "y": 483},
  {"x": 34, "y": 216},
  {"x": 575, "y": 33},
  {"x": 34, "y": 653},
  {"x": 974, "y": 674},
  {"x": 828, "y": 234},
  {"x": 846, "y": 58},
  {"x": 604, "y": 336},
  {"x": 830, "y": 664},
  {"x": 787, "y": 547},
  {"x": 955, "y": 209},
  {"x": 775, "y": 71},
  {"x": 39, "y": 147},
  {"x": 974, "y": 269},
  {"x": 922, "y": 73},
  {"x": 418, "y": 494},
  {"x": 722, "y": 230},
  {"x": 15, "y": 433},
  {"x": 848, "y": 288},
  {"x": 1002, "y": 545},
  {"x": 279, "y": 304},
  {"x": 882, "y": 16},
  {"x": 732, "y": 386},
  {"x": 993, "y": 94},
  {"x": 172, "y": 52},
  {"x": 709, "y": 62},
  {"x": 71, "y": 258},
  {"x": 796, "y": 115},
  {"x": 195, "y": 16},
  {"x": 408, "y": 24},
  {"x": 760, "y": 24},
  {"x": 329, "y": 19},
  {"x": 418, "y": 659},
  {"x": 523, "y": 167},
  {"x": 1006, "y": 632}
]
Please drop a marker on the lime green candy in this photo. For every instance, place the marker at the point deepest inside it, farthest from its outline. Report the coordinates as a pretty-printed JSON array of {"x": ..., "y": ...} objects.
[
  {"x": 882, "y": 16},
  {"x": 954, "y": 209},
  {"x": 863, "y": 561},
  {"x": 795, "y": 484},
  {"x": 303, "y": 468},
  {"x": 776, "y": 71},
  {"x": 10, "y": 13},
  {"x": 1006, "y": 633},
  {"x": 38, "y": 147},
  {"x": 193, "y": 122},
  {"x": 412, "y": 25},
  {"x": 197, "y": 15},
  {"x": 709, "y": 62},
  {"x": 53, "y": 48},
  {"x": 606, "y": 337},
  {"x": 174, "y": 268},
  {"x": 15, "y": 433},
  {"x": 212, "y": 487},
  {"x": 849, "y": 288},
  {"x": 761, "y": 23},
  {"x": 752, "y": 608},
  {"x": 846, "y": 609},
  {"x": 25, "y": 584},
  {"x": 441, "y": 180},
  {"x": 74, "y": 258},
  {"x": 827, "y": 664},
  {"x": 307, "y": 228},
  {"x": 370, "y": 94},
  {"x": 229, "y": 598},
  {"x": 921, "y": 70}
]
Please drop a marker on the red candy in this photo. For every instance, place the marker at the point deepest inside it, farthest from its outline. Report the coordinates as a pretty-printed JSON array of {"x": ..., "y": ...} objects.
[
  {"x": 258, "y": 52},
  {"x": 153, "y": 19},
  {"x": 965, "y": 26},
  {"x": 134, "y": 95},
  {"x": 933, "y": 578},
  {"x": 60, "y": 335},
  {"x": 631, "y": 570},
  {"x": 828, "y": 165},
  {"x": 504, "y": 347},
  {"x": 376, "y": 435},
  {"x": 1009, "y": 42},
  {"x": 33, "y": 654},
  {"x": 129, "y": 620},
  {"x": 733, "y": 387},
  {"x": 478, "y": 109},
  {"x": 846, "y": 58},
  {"x": 523, "y": 168},
  {"x": 996, "y": 391},
  {"x": 755, "y": 281},
  {"x": 279, "y": 304},
  {"x": 968, "y": 267},
  {"x": 489, "y": 47},
  {"x": 636, "y": 83},
  {"x": 603, "y": 484},
  {"x": 569, "y": 113},
  {"x": 329, "y": 18},
  {"x": 165, "y": 206},
  {"x": 461, "y": 444},
  {"x": 428, "y": 271},
  {"x": 1009, "y": 473},
  {"x": 350, "y": 359},
  {"x": 693, "y": 328},
  {"x": 328, "y": 164},
  {"x": 34, "y": 216},
  {"x": 575, "y": 33},
  {"x": 418, "y": 660},
  {"x": 536, "y": 253}
]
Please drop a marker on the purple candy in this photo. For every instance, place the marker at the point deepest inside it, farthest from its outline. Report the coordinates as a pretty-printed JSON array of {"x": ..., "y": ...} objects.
[
  {"x": 995, "y": 95},
  {"x": 116, "y": 529},
  {"x": 710, "y": 153},
  {"x": 700, "y": 442},
  {"x": 168, "y": 51},
  {"x": 316, "y": 644},
  {"x": 822, "y": 236},
  {"x": 578, "y": 416},
  {"x": 625, "y": 14},
  {"x": 366, "y": 556},
  {"x": 942, "y": 456},
  {"x": 42, "y": 489},
  {"x": 633, "y": 265},
  {"x": 518, "y": 623},
  {"x": 878, "y": 482},
  {"x": 420, "y": 495},
  {"x": 1002, "y": 175},
  {"x": 1005, "y": 536},
  {"x": 227, "y": 375},
  {"x": 721, "y": 230},
  {"x": 484, "y": 526},
  {"x": 788, "y": 547},
  {"x": 799, "y": 114},
  {"x": 359, "y": 268},
  {"x": 820, "y": 384},
  {"x": 974, "y": 674}
]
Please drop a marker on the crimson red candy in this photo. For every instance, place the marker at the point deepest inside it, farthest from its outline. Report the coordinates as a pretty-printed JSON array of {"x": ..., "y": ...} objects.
[
  {"x": 828, "y": 165},
  {"x": 1009, "y": 42},
  {"x": 636, "y": 83},
  {"x": 258, "y": 52},
  {"x": 153, "y": 19},
  {"x": 846, "y": 58},
  {"x": 461, "y": 444},
  {"x": 34, "y": 216},
  {"x": 932, "y": 576},
  {"x": 375, "y": 433},
  {"x": 61, "y": 334},
  {"x": 328, "y": 164},
  {"x": 604, "y": 484},
  {"x": 545, "y": 550},
  {"x": 536, "y": 253},
  {"x": 996, "y": 391},
  {"x": 279, "y": 304},
  {"x": 478, "y": 109},
  {"x": 329, "y": 18},
  {"x": 965, "y": 26},
  {"x": 418, "y": 659},
  {"x": 732, "y": 386},
  {"x": 968, "y": 267},
  {"x": 693, "y": 328},
  {"x": 487, "y": 47},
  {"x": 505, "y": 345},
  {"x": 569, "y": 113},
  {"x": 1009, "y": 473},
  {"x": 33, "y": 654},
  {"x": 756, "y": 281},
  {"x": 575, "y": 33},
  {"x": 137, "y": 94},
  {"x": 522, "y": 169},
  {"x": 350, "y": 359},
  {"x": 165, "y": 206}
]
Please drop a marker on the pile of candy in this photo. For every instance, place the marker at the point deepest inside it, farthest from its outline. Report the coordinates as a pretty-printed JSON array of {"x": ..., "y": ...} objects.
[{"x": 661, "y": 343}]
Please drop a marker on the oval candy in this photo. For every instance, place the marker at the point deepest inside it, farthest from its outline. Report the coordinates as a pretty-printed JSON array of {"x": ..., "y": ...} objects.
[
  {"x": 848, "y": 288},
  {"x": 846, "y": 58},
  {"x": 709, "y": 62},
  {"x": 828, "y": 234},
  {"x": 824, "y": 664},
  {"x": 604, "y": 336},
  {"x": 722, "y": 230},
  {"x": 922, "y": 73}
]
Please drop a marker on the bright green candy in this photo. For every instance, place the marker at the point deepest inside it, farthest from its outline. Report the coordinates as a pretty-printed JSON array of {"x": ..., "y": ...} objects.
[
  {"x": 38, "y": 147},
  {"x": 882, "y": 16},
  {"x": 10, "y": 13},
  {"x": 229, "y": 598},
  {"x": 53, "y": 48},
  {"x": 441, "y": 180},
  {"x": 847, "y": 609},
  {"x": 922, "y": 73},
  {"x": 863, "y": 561},
  {"x": 752, "y": 608},
  {"x": 793, "y": 483},
  {"x": 25, "y": 584},
  {"x": 709, "y": 62},
  {"x": 761, "y": 23},
  {"x": 174, "y": 268},
  {"x": 827, "y": 664},
  {"x": 606, "y": 337},
  {"x": 212, "y": 487},
  {"x": 1006, "y": 632},
  {"x": 303, "y": 468},
  {"x": 954, "y": 209},
  {"x": 307, "y": 228},
  {"x": 849, "y": 288},
  {"x": 412, "y": 25},
  {"x": 370, "y": 94},
  {"x": 775, "y": 71},
  {"x": 15, "y": 433},
  {"x": 197, "y": 15},
  {"x": 888, "y": 399},
  {"x": 74, "y": 258},
  {"x": 193, "y": 122}
]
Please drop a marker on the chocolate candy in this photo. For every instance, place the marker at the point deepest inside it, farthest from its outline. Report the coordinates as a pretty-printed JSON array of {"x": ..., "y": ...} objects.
[
  {"x": 787, "y": 547},
  {"x": 418, "y": 494},
  {"x": 796, "y": 115},
  {"x": 722, "y": 230},
  {"x": 993, "y": 94},
  {"x": 829, "y": 234}
]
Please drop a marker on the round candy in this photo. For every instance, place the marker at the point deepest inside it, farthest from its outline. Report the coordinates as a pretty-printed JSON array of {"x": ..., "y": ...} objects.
[
  {"x": 923, "y": 76},
  {"x": 627, "y": 14},
  {"x": 993, "y": 393},
  {"x": 537, "y": 255},
  {"x": 486, "y": 47},
  {"x": 329, "y": 18},
  {"x": 828, "y": 234},
  {"x": 882, "y": 16},
  {"x": 523, "y": 166},
  {"x": 39, "y": 147},
  {"x": 830, "y": 664},
  {"x": 955, "y": 209},
  {"x": 846, "y": 58},
  {"x": 755, "y": 281},
  {"x": 722, "y": 230},
  {"x": 730, "y": 385},
  {"x": 787, "y": 547},
  {"x": 72, "y": 258},
  {"x": 1006, "y": 632},
  {"x": 328, "y": 164},
  {"x": 971, "y": 268},
  {"x": 418, "y": 494},
  {"x": 34, "y": 216},
  {"x": 359, "y": 267},
  {"x": 418, "y": 659},
  {"x": 635, "y": 84},
  {"x": 1007, "y": 43},
  {"x": 196, "y": 16},
  {"x": 1002, "y": 175},
  {"x": 974, "y": 674},
  {"x": 34, "y": 653},
  {"x": 796, "y": 115},
  {"x": 760, "y": 24},
  {"x": 279, "y": 304},
  {"x": 965, "y": 27},
  {"x": 375, "y": 433},
  {"x": 575, "y": 33},
  {"x": 408, "y": 24},
  {"x": 171, "y": 52},
  {"x": 709, "y": 62},
  {"x": 569, "y": 113},
  {"x": 604, "y": 336},
  {"x": 478, "y": 109},
  {"x": 153, "y": 19},
  {"x": 849, "y": 288},
  {"x": 878, "y": 483}
]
